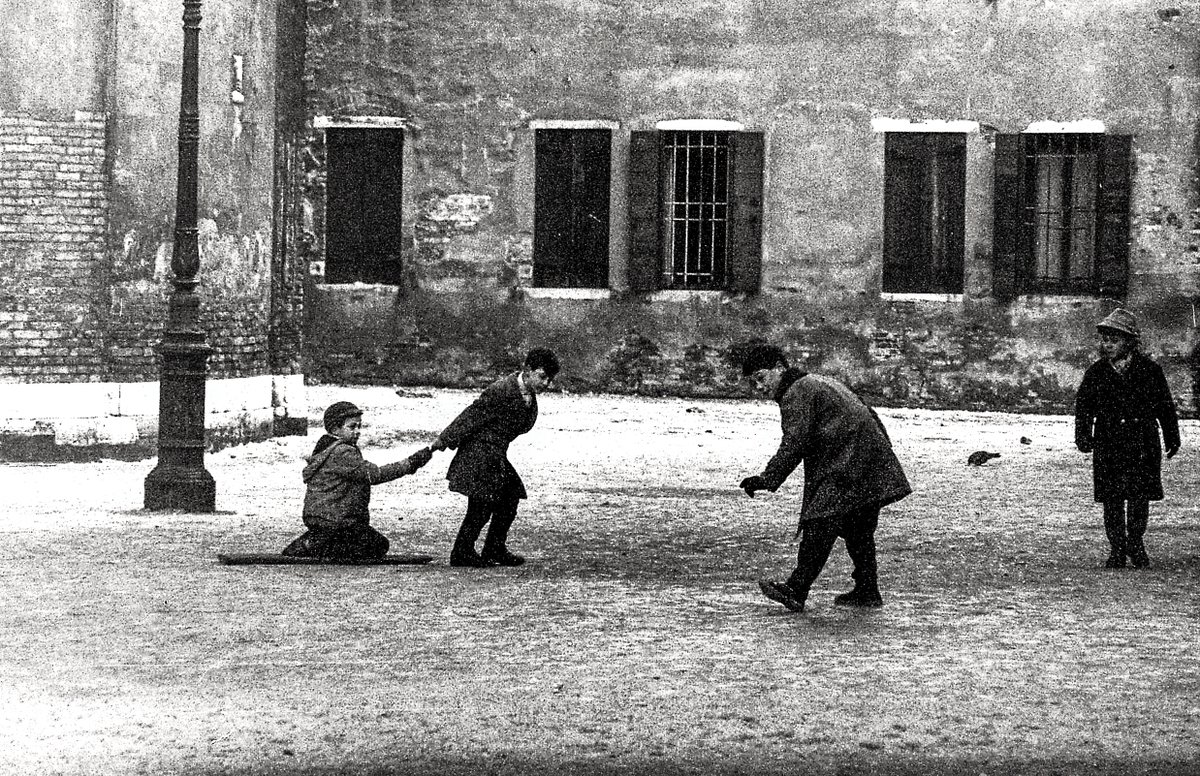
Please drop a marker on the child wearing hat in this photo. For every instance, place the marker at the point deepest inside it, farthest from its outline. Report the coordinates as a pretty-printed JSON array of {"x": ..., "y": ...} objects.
[
  {"x": 338, "y": 491},
  {"x": 1122, "y": 403}
]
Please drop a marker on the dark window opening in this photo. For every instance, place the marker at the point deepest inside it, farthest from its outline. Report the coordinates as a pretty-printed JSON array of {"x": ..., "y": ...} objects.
[
  {"x": 696, "y": 209},
  {"x": 924, "y": 212},
  {"x": 363, "y": 225},
  {"x": 571, "y": 208}
]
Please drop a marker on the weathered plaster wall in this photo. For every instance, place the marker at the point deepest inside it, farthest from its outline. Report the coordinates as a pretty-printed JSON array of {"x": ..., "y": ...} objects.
[
  {"x": 236, "y": 175},
  {"x": 53, "y": 56},
  {"x": 470, "y": 76},
  {"x": 89, "y": 107}
]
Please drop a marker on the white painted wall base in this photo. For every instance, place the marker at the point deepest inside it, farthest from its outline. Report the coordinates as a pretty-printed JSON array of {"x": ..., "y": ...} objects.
[{"x": 81, "y": 415}]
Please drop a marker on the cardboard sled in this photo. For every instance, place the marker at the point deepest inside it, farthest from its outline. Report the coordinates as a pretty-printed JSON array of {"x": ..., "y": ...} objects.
[{"x": 275, "y": 559}]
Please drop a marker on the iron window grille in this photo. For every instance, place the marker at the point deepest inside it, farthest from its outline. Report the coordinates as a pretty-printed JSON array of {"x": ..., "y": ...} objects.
[
  {"x": 1062, "y": 174},
  {"x": 697, "y": 194}
]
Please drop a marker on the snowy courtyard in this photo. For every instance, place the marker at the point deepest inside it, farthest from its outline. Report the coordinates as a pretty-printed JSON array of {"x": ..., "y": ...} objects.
[{"x": 633, "y": 641}]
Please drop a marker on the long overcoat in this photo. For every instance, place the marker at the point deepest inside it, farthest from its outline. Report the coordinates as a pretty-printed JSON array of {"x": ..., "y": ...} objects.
[
  {"x": 1118, "y": 416},
  {"x": 339, "y": 480},
  {"x": 481, "y": 434},
  {"x": 848, "y": 459}
]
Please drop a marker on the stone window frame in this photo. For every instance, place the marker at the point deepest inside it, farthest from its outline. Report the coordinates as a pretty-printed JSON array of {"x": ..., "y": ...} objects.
[{"x": 322, "y": 123}]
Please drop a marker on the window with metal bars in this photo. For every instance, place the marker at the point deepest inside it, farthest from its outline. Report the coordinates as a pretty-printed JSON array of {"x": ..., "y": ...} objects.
[
  {"x": 696, "y": 209},
  {"x": 1060, "y": 209}
]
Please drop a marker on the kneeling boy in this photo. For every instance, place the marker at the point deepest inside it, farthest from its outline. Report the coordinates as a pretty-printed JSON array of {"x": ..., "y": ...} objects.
[{"x": 339, "y": 484}]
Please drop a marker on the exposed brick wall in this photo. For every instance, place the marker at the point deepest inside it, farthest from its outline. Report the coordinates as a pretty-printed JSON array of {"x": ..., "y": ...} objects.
[
  {"x": 53, "y": 204},
  {"x": 72, "y": 312}
]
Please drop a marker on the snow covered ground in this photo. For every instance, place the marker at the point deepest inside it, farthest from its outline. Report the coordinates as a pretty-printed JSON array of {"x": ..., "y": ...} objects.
[{"x": 633, "y": 641}]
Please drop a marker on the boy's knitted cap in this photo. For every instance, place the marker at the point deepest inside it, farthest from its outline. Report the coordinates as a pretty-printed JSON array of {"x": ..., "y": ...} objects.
[{"x": 337, "y": 413}]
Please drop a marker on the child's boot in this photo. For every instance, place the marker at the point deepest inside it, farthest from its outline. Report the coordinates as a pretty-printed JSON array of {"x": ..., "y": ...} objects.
[
  {"x": 463, "y": 553},
  {"x": 495, "y": 546},
  {"x": 1114, "y": 528},
  {"x": 1139, "y": 517},
  {"x": 865, "y": 575}
]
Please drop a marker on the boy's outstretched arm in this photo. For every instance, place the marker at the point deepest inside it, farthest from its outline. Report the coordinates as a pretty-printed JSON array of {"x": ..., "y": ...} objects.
[
  {"x": 478, "y": 414},
  {"x": 404, "y": 466},
  {"x": 350, "y": 464}
]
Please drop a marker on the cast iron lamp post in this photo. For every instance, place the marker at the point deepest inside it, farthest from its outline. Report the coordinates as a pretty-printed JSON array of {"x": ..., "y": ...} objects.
[{"x": 180, "y": 481}]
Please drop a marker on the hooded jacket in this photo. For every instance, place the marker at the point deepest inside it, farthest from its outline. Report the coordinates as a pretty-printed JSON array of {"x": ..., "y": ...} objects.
[
  {"x": 848, "y": 459},
  {"x": 339, "y": 484}
]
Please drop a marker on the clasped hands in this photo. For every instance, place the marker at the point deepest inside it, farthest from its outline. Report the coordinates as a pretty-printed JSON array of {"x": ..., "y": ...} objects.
[
  {"x": 423, "y": 456},
  {"x": 420, "y": 458}
]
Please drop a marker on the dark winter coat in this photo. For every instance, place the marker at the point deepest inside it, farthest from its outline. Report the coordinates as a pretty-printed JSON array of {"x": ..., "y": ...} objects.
[
  {"x": 481, "y": 435},
  {"x": 339, "y": 484},
  {"x": 1117, "y": 417},
  {"x": 848, "y": 460}
]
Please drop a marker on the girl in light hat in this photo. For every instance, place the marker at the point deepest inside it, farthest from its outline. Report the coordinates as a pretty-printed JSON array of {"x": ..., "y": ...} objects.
[{"x": 1122, "y": 403}]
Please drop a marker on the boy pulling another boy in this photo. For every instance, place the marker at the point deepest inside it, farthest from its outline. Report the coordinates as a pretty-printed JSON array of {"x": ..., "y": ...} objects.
[
  {"x": 338, "y": 491},
  {"x": 481, "y": 470}
]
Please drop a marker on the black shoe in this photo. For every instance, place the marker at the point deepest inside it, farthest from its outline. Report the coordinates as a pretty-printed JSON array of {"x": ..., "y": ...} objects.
[
  {"x": 468, "y": 560},
  {"x": 503, "y": 558},
  {"x": 859, "y": 597},
  {"x": 1116, "y": 560},
  {"x": 781, "y": 594},
  {"x": 1139, "y": 558}
]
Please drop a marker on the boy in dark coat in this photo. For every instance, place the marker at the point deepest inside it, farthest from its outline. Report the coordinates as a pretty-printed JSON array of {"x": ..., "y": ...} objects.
[
  {"x": 850, "y": 473},
  {"x": 1122, "y": 402},
  {"x": 338, "y": 491},
  {"x": 481, "y": 471}
]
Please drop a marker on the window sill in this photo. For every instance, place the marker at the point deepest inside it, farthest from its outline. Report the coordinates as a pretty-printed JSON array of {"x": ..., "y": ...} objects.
[
  {"x": 898, "y": 296},
  {"x": 566, "y": 293},
  {"x": 1057, "y": 300},
  {"x": 685, "y": 294},
  {"x": 358, "y": 285}
]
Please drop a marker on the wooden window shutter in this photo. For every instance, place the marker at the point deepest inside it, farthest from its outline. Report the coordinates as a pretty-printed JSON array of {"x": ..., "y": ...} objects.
[
  {"x": 645, "y": 202},
  {"x": 743, "y": 261},
  {"x": 1112, "y": 240},
  {"x": 552, "y": 238},
  {"x": 571, "y": 208},
  {"x": 952, "y": 205},
  {"x": 1007, "y": 211},
  {"x": 906, "y": 247}
]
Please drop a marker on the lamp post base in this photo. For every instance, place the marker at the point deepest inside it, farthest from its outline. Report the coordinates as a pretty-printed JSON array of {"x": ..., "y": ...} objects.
[{"x": 181, "y": 487}]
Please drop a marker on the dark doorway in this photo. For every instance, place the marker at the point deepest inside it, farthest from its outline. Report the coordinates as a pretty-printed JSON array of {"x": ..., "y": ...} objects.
[
  {"x": 570, "y": 241},
  {"x": 363, "y": 231}
]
